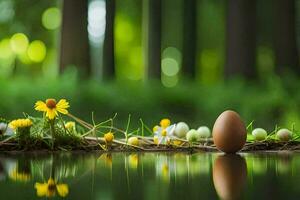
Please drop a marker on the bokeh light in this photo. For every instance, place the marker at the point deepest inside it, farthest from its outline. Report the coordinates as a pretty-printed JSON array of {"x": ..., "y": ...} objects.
[
  {"x": 36, "y": 51},
  {"x": 24, "y": 58},
  {"x": 170, "y": 66},
  {"x": 210, "y": 63},
  {"x": 5, "y": 49},
  {"x": 169, "y": 81},
  {"x": 19, "y": 43},
  {"x": 51, "y": 18},
  {"x": 265, "y": 59},
  {"x": 6, "y": 10},
  {"x": 172, "y": 52},
  {"x": 96, "y": 21},
  {"x": 124, "y": 30},
  {"x": 136, "y": 72}
]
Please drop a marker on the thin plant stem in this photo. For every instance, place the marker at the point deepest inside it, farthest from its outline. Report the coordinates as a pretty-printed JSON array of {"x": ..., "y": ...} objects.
[{"x": 52, "y": 131}]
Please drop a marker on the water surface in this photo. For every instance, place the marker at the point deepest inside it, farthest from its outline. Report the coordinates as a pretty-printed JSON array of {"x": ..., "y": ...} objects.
[{"x": 149, "y": 176}]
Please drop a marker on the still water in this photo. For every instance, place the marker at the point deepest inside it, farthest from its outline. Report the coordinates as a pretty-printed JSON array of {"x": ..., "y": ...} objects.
[{"x": 149, "y": 176}]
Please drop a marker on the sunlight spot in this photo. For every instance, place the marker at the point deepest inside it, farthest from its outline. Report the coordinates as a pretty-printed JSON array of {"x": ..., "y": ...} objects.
[
  {"x": 24, "y": 58},
  {"x": 51, "y": 18},
  {"x": 172, "y": 52},
  {"x": 124, "y": 30},
  {"x": 6, "y": 10},
  {"x": 169, "y": 81},
  {"x": 36, "y": 51},
  {"x": 96, "y": 21},
  {"x": 19, "y": 43},
  {"x": 5, "y": 49},
  {"x": 169, "y": 66}
]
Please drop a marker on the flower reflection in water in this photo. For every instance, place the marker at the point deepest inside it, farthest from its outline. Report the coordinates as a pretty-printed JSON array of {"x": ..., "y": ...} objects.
[
  {"x": 107, "y": 158},
  {"x": 144, "y": 175},
  {"x": 163, "y": 167},
  {"x": 50, "y": 188},
  {"x": 21, "y": 172},
  {"x": 182, "y": 165},
  {"x": 15, "y": 175}
]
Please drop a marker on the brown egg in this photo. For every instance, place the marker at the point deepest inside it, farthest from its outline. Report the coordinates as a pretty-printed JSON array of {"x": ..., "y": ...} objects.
[
  {"x": 229, "y": 176},
  {"x": 229, "y": 132}
]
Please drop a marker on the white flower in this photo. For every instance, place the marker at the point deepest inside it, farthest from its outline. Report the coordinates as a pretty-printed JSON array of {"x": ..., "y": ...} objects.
[
  {"x": 5, "y": 129},
  {"x": 164, "y": 133}
]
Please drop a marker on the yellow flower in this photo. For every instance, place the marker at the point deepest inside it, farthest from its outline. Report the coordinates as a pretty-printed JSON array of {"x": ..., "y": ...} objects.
[
  {"x": 155, "y": 128},
  {"x": 164, "y": 123},
  {"x": 70, "y": 126},
  {"x": 164, "y": 132},
  {"x": 133, "y": 141},
  {"x": 50, "y": 188},
  {"x": 51, "y": 108},
  {"x": 20, "y": 123},
  {"x": 109, "y": 137}
]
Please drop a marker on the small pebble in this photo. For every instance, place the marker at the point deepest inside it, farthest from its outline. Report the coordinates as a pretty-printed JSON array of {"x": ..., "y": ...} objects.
[
  {"x": 204, "y": 131},
  {"x": 193, "y": 136},
  {"x": 259, "y": 134},
  {"x": 284, "y": 135},
  {"x": 133, "y": 141},
  {"x": 181, "y": 129}
]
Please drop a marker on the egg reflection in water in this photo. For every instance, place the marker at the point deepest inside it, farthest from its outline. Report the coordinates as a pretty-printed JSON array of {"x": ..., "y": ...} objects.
[
  {"x": 283, "y": 164},
  {"x": 229, "y": 176}
]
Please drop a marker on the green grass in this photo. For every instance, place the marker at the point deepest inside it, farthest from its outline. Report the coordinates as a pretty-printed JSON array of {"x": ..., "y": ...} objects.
[{"x": 272, "y": 101}]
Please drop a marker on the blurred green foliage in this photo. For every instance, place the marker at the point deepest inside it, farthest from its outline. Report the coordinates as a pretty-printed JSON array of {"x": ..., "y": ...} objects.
[
  {"x": 30, "y": 74},
  {"x": 273, "y": 101},
  {"x": 38, "y": 52}
]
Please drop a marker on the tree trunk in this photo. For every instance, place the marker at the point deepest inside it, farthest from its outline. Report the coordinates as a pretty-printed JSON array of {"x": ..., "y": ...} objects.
[
  {"x": 241, "y": 40},
  {"x": 108, "y": 50},
  {"x": 74, "y": 37},
  {"x": 285, "y": 44},
  {"x": 189, "y": 39},
  {"x": 152, "y": 32}
]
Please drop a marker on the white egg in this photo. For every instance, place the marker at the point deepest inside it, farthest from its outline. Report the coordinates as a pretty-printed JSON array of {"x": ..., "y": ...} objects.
[
  {"x": 193, "y": 135},
  {"x": 284, "y": 134},
  {"x": 181, "y": 129},
  {"x": 259, "y": 134},
  {"x": 204, "y": 132}
]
